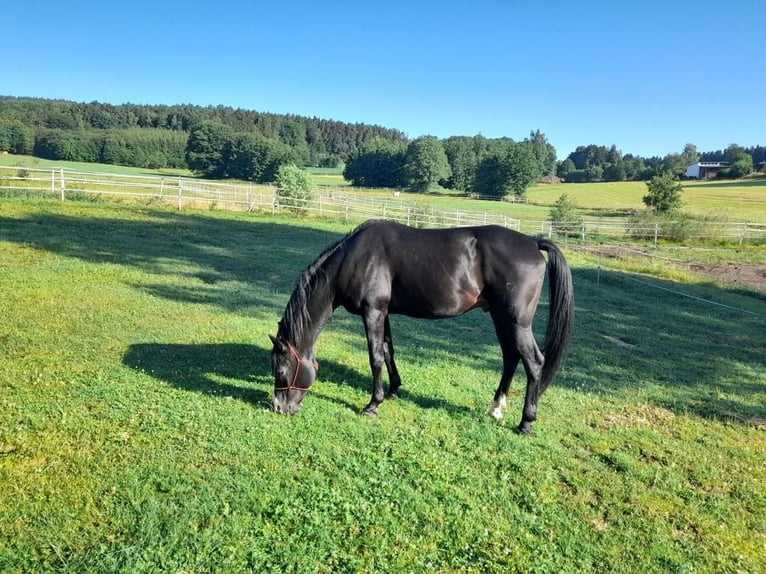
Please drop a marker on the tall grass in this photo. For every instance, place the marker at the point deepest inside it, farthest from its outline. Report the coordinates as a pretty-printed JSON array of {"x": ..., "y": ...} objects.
[{"x": 135, "y": 434}]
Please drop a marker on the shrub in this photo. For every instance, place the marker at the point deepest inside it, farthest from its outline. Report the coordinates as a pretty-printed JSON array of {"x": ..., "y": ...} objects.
[
  {"x": 664, "y": 193},
  {"x": 294, "y": 186},
  {"x": 564, "y": 217},
  {"x": 676, "y": 227}
]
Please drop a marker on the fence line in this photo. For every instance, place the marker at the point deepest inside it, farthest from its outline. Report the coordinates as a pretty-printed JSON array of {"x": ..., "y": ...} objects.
[{"x": 180, "y": 192}]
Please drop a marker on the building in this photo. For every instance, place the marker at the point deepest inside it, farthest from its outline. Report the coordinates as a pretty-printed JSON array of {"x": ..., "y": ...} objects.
[{"x": 705, "y": 169}]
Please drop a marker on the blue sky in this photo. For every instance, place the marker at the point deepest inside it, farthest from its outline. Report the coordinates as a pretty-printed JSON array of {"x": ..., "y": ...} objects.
[{"x": 646, "y": 76}]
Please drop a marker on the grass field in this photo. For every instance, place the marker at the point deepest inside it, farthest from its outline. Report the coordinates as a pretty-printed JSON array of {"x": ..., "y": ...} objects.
[
  {"x": 31, "y": 162},
  {"x": 135, "y": 433}
]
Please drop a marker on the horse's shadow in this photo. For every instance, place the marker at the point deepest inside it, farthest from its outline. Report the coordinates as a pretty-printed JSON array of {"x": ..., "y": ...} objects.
[
  {"x": 205, "y": 368},
  {"x": 241, "y": 371}
]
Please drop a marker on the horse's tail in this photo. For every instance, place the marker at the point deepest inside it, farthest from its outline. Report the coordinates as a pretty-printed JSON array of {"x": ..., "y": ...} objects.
[{"x": 560, "y": 312}]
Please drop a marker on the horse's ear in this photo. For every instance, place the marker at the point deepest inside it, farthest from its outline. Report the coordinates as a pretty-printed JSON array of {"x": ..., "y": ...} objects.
[{"x": 278, "y": 345}]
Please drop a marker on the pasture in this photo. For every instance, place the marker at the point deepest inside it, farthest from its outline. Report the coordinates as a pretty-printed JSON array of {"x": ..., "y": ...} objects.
[
  {"x": 135, "y": 433},
  {"x": 730, "y": 200}
]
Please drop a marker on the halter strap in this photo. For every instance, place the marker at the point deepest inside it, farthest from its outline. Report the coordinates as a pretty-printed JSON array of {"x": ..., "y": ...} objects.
[{"x": 298, "y": 363}]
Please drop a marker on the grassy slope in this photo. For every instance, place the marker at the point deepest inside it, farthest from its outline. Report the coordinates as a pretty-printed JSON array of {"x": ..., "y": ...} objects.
[{"x": 135, "y": 435}]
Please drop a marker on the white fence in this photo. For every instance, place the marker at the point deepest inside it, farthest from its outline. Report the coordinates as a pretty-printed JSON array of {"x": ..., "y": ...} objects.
[{"x": 178, "y": 191}]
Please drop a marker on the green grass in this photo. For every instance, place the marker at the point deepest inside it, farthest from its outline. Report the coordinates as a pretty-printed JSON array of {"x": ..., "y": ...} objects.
[
  {"x": 31, "y": 162},
  {"x": 135, "y": 433},
  {"x": 741, "y": 200}
]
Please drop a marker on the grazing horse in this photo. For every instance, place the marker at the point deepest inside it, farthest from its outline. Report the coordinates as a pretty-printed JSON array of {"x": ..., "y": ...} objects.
[{"x": 383, "y": 267}]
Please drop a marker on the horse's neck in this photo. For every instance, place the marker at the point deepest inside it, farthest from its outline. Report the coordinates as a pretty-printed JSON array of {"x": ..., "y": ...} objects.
[{"x": 318, "y": 308}]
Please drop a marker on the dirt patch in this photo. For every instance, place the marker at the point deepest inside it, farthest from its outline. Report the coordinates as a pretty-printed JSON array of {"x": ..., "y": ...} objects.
[{"x": 748, "y": 275}]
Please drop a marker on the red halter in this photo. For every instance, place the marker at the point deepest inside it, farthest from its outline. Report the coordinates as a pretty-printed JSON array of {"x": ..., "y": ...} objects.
[{"x": 298, "y": 363}]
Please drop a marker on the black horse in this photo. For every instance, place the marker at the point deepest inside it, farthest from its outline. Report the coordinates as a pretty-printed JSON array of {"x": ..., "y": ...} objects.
[{"x": 383, "y": 267}]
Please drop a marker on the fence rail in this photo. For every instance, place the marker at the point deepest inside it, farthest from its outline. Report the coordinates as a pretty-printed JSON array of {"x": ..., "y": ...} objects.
[{"x": 183, "y": 192}]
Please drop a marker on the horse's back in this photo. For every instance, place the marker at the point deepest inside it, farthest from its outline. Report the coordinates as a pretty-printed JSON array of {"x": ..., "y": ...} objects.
[{"x": 435, "y": 272}]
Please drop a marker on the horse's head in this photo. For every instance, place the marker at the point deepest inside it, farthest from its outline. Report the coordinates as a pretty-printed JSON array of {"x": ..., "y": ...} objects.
[{"x": 293, "y": 376}]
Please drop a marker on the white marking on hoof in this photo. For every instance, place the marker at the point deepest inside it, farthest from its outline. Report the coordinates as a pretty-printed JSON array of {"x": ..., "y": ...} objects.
[
  {"x": 495, "y": 411},
  {"x": 503, "y": 402}
]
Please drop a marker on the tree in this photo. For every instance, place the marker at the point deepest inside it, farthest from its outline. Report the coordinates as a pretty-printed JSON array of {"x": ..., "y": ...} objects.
[
  {"x": 741, "y": 162},
  {"x": 615, "y": 172},
  {"x": 295, "y": 185},
  {"x": 522, "y": 167},
  {"x": 673, "y": 163},
  {"x": 16, "y": 138},
  {"x": 253, "y": 157},
  {"x": 379, "y": 163},
  {"x": 510, "y": 168},
  {"x": 425, "y": 164},
  {"x": 463, "y": 155},
  {"x": 565, "y": 168},
  {"x": 489, "y": 179},
  {"x": 543, "y": 151},
  {"x": 690, "y": 155},
  {"x": 208, "y": 148},
  {"x": 664, "y": 193},
  {"x": 564, "y": 216}
]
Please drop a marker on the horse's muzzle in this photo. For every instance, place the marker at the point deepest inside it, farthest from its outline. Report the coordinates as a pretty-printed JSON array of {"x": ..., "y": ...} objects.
[{"x": 284, "y": 407}]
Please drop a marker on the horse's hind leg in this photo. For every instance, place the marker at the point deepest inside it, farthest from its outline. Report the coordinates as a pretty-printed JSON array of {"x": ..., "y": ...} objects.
[
  {"x": 505, "y": 336},
  {"x": 533, "y": 361},
  {"x": 394, "y": 380}
]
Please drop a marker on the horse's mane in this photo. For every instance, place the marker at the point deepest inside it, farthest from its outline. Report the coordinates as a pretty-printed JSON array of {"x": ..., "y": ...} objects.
[{"x": 297, "y": 318}]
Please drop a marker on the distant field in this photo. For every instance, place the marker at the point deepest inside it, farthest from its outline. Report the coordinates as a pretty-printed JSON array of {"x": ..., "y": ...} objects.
[
  {"x": 39, "y": 163},
  {"x": 727, "y": 200}
]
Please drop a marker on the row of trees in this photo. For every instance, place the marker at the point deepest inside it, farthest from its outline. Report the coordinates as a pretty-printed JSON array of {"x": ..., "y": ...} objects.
[
  {"x": 489, "y": 167},
  {"x": 594, "y": 163},
  {"x": 222, "y": 142},
  {"x": 151, "y": 148},
  {"x": 216, "y": 151}
]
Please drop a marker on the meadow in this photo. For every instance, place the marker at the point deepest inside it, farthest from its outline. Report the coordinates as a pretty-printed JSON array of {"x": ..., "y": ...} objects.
[{"x": 136, "y": 434}]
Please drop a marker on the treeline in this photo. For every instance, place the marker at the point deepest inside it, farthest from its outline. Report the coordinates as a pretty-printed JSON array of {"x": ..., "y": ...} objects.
[
  {"x": 149, "y": 135},
  {"x": 223, "y": 142},
  {"x": 476, "y": 165},
  {"x": 600, "y": 163}
]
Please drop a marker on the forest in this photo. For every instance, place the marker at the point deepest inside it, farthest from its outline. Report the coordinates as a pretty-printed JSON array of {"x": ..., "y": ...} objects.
[
  {"x": 155, "y": 136},
  {"x": 223, "y": 142}
]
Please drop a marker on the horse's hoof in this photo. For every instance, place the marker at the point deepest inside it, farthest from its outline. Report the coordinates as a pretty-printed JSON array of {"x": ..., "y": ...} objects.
[
  {"x": 495, "y": 412},
  {"x": 523, "y": 430},
  {"x": 370, "y": 412}
]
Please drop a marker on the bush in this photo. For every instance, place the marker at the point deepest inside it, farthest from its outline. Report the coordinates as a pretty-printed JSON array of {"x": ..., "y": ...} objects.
[
  {"x": 295, "y": 186},
  {"x": 676, "y": 227},
  {"x": 664, "y": 193},
  {"x": 564, "y": 217}
]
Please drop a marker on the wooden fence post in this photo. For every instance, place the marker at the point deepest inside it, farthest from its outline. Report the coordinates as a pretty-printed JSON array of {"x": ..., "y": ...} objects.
[{"x": 63, "y": 185}]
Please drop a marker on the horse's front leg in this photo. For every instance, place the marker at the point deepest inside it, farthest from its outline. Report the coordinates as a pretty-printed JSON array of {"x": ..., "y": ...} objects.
[{"x": 374, "y": 326}]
